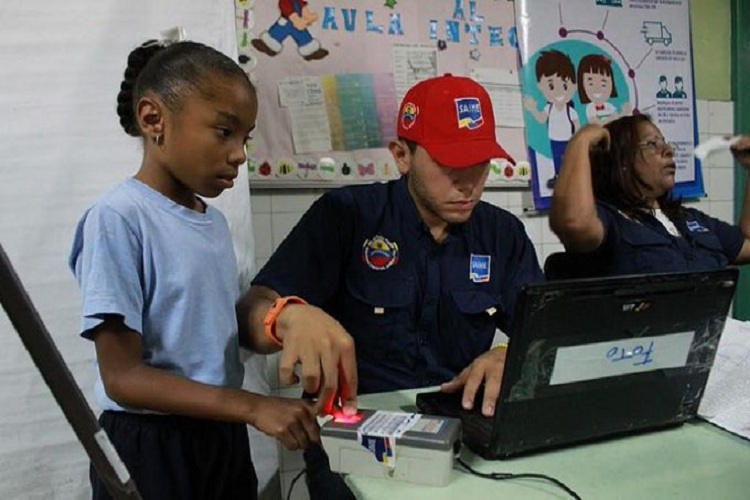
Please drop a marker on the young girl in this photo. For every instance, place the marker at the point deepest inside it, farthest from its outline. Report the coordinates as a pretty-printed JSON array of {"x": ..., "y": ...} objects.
[
  {"x": 596, "y": 85},
  {"x": 159, "y": 279}
]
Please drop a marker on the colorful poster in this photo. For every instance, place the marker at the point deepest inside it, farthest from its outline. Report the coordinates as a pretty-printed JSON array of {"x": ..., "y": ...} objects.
[
  {"x": 330, "y": 76},
  {"x": 592, "y": 61}
]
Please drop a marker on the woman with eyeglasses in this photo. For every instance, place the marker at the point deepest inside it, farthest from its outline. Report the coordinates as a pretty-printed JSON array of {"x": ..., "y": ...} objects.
[{"x": 612, "y": 206}]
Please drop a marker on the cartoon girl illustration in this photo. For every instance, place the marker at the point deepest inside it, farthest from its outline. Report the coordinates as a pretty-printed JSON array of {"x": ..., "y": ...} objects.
[
  {"x": 596, "y": 85},
  {"x": 295, "y": 17}
]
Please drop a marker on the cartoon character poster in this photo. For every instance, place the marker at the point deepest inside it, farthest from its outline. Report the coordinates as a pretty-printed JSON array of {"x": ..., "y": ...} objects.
[
  {"x": 330, "y": 76},
  {"x": 594, "y": 61},
  {"x": 295, "y": 20}
]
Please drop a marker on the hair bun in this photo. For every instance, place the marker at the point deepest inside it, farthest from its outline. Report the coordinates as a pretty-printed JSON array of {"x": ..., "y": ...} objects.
[{"x": 137, "y": 60}]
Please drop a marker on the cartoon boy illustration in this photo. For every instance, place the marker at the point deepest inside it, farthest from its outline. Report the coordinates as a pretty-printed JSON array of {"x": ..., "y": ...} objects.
[
  {"x": 678, "y": 93},
  {"x": 663, "y": 93},
  {"x": 295, "y": 18},
  {"x": 556, "y": 79},
  {"x": 596, "y": 85}
]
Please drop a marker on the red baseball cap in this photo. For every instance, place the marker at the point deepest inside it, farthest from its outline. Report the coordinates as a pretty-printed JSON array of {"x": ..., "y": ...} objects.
[{"x": 451, "y": 118}]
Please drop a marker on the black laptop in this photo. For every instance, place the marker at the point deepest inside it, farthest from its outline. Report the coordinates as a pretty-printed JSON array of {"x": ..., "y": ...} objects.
[{"x": 596, "y": 358}]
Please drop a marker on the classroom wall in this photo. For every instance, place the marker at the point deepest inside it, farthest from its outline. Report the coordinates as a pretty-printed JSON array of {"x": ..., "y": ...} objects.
[
  {"x": 61, "y": 147},
  {"x": 712, "y": 48}
]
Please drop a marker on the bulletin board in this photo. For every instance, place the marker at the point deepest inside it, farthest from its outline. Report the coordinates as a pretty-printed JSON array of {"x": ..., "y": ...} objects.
[{"x": 330, "y": 75}]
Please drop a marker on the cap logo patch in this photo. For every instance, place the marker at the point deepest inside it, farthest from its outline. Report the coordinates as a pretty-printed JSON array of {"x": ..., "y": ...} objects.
[
  {"x": 409, "y": 115},
  {"x": 469, "y": 113},
  {"x": 379, "y": 253}
]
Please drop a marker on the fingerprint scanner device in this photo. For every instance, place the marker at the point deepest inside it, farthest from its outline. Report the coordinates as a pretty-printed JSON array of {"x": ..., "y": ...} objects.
[
  {"x": 591, "y": 359},
  {"x": 405, "y": 446}
]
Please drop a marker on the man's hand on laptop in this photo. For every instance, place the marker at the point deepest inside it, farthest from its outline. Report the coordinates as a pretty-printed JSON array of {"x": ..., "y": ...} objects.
[{"x": 487, "y": 368}]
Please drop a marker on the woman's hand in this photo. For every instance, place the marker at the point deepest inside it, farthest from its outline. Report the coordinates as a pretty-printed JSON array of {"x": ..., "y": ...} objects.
[
  {"x": 741, "y": 151},
  {"x": 595, "y": 136}
]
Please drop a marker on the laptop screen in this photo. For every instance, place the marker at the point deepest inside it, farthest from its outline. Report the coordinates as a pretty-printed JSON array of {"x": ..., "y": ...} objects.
[{"x": 598, "y": 357}]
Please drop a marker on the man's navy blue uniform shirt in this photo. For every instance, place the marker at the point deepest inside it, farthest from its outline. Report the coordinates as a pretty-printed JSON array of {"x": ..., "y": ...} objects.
[
  {"x": 645, "y": 246},
  {"x": 416, "y": 312}
]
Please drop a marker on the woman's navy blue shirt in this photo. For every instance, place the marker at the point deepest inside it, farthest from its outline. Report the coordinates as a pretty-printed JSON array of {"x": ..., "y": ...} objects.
[{"x": 645, "y": 246}]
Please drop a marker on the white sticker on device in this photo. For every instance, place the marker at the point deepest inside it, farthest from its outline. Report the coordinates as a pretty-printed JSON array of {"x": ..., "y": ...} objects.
[
  {"x": 428, "y": 425},
  {"x": 620, "y": 357},
  {"x": 389, "y": 423},
  {"x": 379, "y": 433}
]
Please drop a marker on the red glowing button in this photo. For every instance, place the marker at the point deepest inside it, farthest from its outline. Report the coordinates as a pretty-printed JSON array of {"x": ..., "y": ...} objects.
[{"x": 340, "y": 417}]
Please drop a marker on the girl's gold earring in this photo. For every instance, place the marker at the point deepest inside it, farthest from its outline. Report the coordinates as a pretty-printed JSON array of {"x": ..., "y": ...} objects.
[{"x": 159, "y": 139}]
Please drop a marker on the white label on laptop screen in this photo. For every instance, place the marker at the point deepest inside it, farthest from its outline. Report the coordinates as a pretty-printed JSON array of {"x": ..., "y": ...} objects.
[{"x": 620, "y": 357}]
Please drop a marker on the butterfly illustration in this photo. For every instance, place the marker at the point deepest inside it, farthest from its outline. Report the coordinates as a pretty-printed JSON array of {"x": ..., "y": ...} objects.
[{"x": 368, "y": 169}]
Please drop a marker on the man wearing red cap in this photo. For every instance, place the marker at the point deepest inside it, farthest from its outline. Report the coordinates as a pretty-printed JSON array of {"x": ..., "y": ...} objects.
[{"x": 415, "y": 275}]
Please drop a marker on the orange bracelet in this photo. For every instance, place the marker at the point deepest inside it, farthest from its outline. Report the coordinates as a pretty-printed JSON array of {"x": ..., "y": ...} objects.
[{"x": 273, "y": 313}]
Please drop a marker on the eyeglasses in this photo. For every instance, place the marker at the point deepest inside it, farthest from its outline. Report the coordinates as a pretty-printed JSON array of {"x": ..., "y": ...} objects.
[{"x": 659, "y": 145}]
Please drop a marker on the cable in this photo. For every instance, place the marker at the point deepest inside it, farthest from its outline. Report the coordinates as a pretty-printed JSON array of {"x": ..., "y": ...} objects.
[
  {"x": 294, "y": 481},
  {"x": 500, "y": 476}
]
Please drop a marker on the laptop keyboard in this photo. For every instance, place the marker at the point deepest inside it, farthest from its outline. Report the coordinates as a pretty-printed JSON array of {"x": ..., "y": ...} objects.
[
  {"x": 440, "y": 403},
  {"x": 449, "y": 405}
]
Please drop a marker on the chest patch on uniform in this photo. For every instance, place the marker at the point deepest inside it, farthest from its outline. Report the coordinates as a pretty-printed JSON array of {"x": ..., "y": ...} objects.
[
  {"x": 379, "y": 253},
  {"x": 695, "y": 227},
  {"x": 479, "y": 268}
]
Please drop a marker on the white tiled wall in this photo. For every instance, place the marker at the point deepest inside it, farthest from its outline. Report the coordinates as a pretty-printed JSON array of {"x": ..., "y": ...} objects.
[{"x": 275, "y": 212}]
